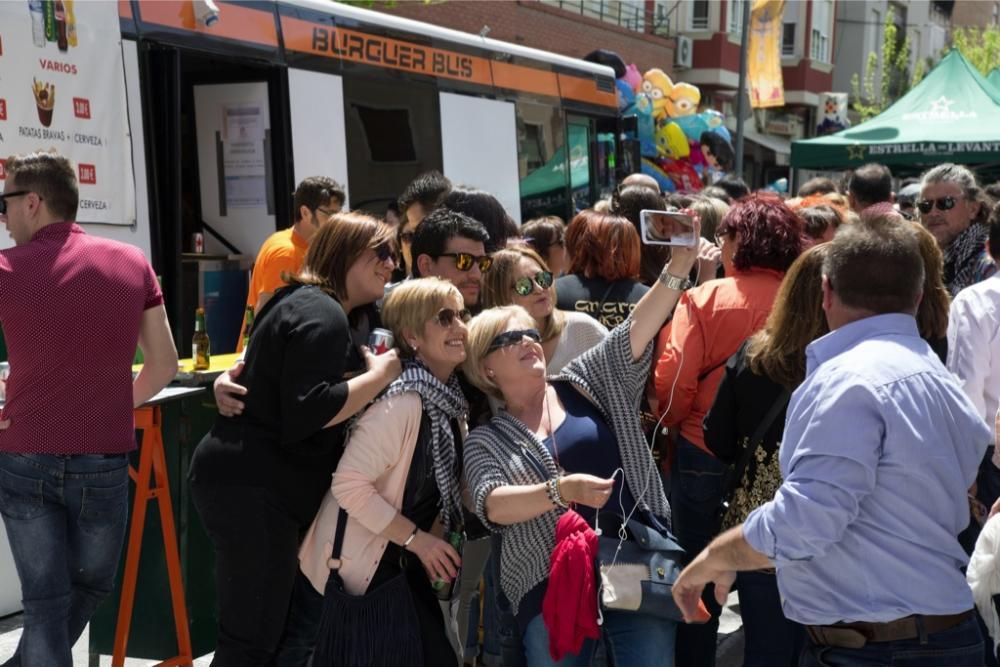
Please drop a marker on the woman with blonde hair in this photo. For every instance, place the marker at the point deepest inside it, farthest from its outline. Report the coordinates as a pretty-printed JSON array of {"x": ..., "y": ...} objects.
[
  {"x": 578, "y": 428},
  {"x": 520, "y": 277},
  {"x": 744, "y": 429}
]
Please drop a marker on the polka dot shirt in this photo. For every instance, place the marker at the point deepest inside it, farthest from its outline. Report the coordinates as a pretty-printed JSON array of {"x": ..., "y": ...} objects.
[{"x": 71, "y": 306}]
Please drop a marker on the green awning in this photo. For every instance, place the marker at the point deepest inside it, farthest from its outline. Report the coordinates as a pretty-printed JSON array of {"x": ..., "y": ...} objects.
[
  {"x": 953, "y": 115},
  {"x": 994, "y": 77}
]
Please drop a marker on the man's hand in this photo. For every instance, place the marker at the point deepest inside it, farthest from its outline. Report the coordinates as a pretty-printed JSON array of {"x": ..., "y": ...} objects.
[
  {"x": 691, "y": 582},
  {"x": 226, "y": 392}
]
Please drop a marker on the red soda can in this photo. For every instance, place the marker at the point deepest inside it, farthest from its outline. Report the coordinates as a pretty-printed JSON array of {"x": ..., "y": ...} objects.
[
  {"x": 198, "y": 243},
  {"x": 380, "y": 341}
]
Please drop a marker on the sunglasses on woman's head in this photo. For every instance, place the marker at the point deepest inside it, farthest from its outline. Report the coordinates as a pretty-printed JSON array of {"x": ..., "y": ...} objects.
[
  {"x": 524, "y": 286},
  {"x": 446, "y": 316},
  {"x": 464, "y": 261},
  {"x": 508, "y": 338},
  {"x": 942, "y": 203}
]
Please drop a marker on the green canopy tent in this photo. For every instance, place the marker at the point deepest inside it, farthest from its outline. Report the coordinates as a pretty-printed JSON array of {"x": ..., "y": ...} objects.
[
  {"x": 953, "y": 115},
  {"x": 994, "y": 77}
]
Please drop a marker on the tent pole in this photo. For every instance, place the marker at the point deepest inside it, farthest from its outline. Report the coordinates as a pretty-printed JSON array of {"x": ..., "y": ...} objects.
[{"x": 742, "y": 94}]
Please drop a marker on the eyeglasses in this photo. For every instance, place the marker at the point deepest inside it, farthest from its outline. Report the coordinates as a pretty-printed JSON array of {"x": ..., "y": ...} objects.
[
  {"x": 720, "y": 236},
  {"x": 508, "y": 338},
  {"x": 385, "y": 251},
  {"x": 524, "y": 286},
  {"x": 465, "y": 261},
  {"x": 406, "y": 237},
  {"x": 942, "y": 203},
  {"x": 446, "y": 316},
  {"x": 3, "y": 199}
]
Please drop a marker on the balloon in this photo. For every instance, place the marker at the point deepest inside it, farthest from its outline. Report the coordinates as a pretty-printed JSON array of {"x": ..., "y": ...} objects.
[
  {"x": 632, "y": 77},
  {"x": 650, "y": 168},
  {"x": 671, "y": 142}
]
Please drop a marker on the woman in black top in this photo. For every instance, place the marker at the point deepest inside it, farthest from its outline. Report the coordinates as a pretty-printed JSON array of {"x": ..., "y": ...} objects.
[
  {"x": 258, "y": 478},
  {"x": 767, "y": 367}
]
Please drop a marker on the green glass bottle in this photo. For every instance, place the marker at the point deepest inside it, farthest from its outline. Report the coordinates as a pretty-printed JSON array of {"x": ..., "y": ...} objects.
[{"x": 201, "y": 346}]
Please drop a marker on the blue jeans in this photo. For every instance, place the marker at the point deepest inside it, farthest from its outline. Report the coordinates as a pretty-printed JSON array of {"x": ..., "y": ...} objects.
[
  {"x": 65, "y": 518},
  {"x": 695, "y": 492},
  {"x": 769, "y": 639},
  {"x": 632, "y": 640},
  {"x": 960, "y": 646}
]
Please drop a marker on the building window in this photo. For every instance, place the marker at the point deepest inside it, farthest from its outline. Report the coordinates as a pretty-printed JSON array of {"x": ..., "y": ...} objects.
[
  {"x": 629, "y": 14},
  {"x": 699, "y": 15},
  {"x": 788, "y": 39},
  {"x": 735, "y": 11},
  {"x": 819, "y": 43}
]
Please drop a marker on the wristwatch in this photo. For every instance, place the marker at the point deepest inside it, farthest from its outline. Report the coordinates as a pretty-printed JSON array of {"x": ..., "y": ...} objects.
[{"x": 673, "y": 282}]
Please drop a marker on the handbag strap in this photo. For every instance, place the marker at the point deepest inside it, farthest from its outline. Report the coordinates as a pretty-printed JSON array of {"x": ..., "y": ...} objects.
[
  {"x": 338, "y": 536},
  {"x": 758, "y": 435}
]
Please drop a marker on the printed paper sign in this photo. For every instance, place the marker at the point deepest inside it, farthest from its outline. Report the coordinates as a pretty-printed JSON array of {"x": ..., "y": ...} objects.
[{"x": 62, "y": 86}]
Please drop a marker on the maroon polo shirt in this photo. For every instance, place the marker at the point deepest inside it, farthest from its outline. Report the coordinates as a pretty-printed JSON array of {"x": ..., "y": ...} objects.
[{"x": 71, "y": 306}]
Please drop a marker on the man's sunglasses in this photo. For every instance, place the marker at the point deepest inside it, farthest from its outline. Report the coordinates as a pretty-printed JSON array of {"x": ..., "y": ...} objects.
[
  {"x": 524, "y": 286},
  {"x": 942, "y": 203},
  {"x": 508, "y": 338},
  {"x": 446, "y": 316},
  {"x": 3, "y": 199},
  {"x": 465, "y": 261}
]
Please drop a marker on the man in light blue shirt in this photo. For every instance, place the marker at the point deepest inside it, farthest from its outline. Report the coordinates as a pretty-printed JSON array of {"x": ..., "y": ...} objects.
[{"x": 880, "y": 449}]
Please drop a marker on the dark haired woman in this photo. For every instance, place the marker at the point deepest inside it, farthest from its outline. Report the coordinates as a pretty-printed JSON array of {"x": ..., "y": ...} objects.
[
  {"x": 258, "y": 478},
  {"x": 547, "y": 237},
  {"x": 759, "y": 237},
  {"x": 756, "y": 384}
]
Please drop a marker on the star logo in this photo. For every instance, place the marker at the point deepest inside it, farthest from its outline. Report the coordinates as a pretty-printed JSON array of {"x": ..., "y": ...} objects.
[
  {"x": 941, "y": 105},
  {"x": 856, "y": 152}
]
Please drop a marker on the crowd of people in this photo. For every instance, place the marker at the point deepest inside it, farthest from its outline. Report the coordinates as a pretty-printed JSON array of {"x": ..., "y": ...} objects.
[{"x": 800, "y": 406}]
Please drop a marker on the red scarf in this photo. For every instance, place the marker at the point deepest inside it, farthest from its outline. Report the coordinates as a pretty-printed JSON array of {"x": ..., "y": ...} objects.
[{"x": 570, "y": 605}]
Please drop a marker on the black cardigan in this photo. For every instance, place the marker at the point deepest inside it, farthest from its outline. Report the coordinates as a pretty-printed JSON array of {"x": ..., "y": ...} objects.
[{"x": 297, "y": 365}]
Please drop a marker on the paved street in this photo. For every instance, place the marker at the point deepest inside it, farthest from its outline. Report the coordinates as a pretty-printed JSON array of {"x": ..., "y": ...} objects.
[{"x": 730, "y": 642}]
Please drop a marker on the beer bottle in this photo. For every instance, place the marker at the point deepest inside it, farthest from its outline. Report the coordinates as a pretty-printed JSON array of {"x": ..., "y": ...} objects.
[
  {"x": 201, "y": 346},
  {"x": 70, "y": 23},
  {"x": 49, "y": 13},
  {"x": 248, "y": 325}
]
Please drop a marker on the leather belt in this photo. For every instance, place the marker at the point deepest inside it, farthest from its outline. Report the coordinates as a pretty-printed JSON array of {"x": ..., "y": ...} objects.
[{"x": 857, "y": 635}]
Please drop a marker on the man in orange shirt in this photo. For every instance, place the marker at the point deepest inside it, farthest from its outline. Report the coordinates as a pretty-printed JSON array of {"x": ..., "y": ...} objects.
[{"x": 316, "y": 199}]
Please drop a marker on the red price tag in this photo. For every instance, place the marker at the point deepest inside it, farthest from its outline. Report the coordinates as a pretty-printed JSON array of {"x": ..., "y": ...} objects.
[
  {"x": 3, "y": 109},
  {"x": 88, "y": 174},
  {"x": 81, "y": 107}
]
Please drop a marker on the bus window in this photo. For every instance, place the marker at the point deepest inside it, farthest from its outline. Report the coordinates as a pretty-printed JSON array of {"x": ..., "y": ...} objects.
[{"x": 541, "y": 162}]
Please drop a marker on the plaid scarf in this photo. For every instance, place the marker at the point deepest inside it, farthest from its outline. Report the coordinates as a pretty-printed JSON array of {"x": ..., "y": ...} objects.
[
  {"x": 442, "y": 403},
  {"x": 961, "y": 265}
]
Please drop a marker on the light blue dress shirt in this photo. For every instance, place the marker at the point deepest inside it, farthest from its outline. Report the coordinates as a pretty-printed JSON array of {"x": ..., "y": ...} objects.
[{"x": 880, "y": 448}]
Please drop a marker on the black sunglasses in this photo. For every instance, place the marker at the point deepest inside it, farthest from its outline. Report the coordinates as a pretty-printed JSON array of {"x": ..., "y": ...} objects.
[
  {"x": 3, "y": 199},
  {"x": 384, "y": 251},
  {"x": 508, "y": 338},
  {"x": 942, "y": 203},
  {"x": 446, "y": 316},
  {"x": 464, "y": 261},
  {"x": 524, "y": 286}
]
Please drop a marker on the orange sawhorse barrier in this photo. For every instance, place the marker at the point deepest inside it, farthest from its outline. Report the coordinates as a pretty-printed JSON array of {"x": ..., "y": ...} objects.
[{"x": 152, "y": 468}]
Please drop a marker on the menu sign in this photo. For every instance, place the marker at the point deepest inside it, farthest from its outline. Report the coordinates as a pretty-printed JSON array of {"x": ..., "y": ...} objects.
[{"x": 62, "y": 87}]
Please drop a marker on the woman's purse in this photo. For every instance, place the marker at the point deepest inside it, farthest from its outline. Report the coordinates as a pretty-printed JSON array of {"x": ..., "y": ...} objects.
[
  {"x": 638, "y": 566},
  {"x": 379, "y": 627}
]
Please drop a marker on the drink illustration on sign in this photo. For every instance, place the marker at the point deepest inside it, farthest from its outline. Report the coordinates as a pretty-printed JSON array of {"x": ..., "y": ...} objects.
[
  {"x": 45, "y": 100},
  {"x": 53, "y": 21}
]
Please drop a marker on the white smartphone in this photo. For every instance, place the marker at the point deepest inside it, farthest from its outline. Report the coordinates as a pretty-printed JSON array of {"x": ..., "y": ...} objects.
[{"x": 667, "y": 228}]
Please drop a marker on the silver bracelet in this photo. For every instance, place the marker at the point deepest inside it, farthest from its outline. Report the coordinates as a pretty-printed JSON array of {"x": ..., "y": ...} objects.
[
  {"x": 673, "y": 282},
  {"x": 554, "y": 496},
  {"x": 410, "y": 538}
]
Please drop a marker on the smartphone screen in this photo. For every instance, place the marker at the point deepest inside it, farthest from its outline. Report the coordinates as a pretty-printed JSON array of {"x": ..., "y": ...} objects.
[{"x": 667, "y": 228}]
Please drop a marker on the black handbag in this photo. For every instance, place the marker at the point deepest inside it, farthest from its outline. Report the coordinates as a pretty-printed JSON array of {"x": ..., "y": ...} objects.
[
  {"x": 733, "y": 476},
  {"x": 637, "y": 568},
  {"x": 379, "y": 627}
]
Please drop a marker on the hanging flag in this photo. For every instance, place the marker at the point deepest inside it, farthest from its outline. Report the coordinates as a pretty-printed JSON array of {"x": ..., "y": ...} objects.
[{"x": 764, "y": 58}]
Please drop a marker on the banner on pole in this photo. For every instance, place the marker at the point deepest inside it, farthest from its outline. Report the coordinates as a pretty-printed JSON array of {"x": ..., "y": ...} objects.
[
  {"x": 764, "y": 62},
  {"x": 62, "y": 87}
]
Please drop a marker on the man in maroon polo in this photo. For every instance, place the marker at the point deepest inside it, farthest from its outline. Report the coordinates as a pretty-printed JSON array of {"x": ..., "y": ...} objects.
[{"x": 73, "y": 307}]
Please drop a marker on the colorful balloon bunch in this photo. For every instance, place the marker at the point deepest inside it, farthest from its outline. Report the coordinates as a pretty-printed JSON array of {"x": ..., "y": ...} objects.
[{"x": 684, "y": 150}]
